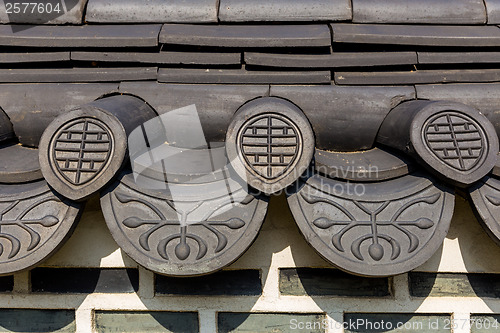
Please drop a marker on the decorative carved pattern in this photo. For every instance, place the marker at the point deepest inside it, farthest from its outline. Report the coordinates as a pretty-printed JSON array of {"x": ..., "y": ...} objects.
[
  {"x": 81, "y": 149},
  {"x": 453, "y": 140},
  {"x": 373, "y": 229},
  {"x": 456, "y": 139},
  {"x": 33, "y": 223},
  {"x": 270, "y": 145},
  {"x": 182, "y": 236},
  {"x": 486, "y": 198}
]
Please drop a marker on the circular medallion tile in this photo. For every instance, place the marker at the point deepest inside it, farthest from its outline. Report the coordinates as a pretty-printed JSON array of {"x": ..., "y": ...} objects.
[{"x": 270, "y": 143}]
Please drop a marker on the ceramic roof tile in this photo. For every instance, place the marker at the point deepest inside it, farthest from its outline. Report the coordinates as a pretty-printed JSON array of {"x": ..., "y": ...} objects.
[
  {"x": 147, "y": 11},
  {"x": 47, "y": 12},
  {"x": 246, "y": 35},
  {"x": 422, "y": 11},
  {"x": 427, "y": 35},
  {"x": 81, "y": 36},
  {"x": 284, "y": 10}
]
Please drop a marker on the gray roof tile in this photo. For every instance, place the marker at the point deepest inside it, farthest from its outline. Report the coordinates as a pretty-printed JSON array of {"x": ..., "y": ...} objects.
[
  {"x": 148, "y": 11},
  {"x": 284, "y": 10},
  {"x": 72, "y": 12},
  {"x": 493, "y": 11},
  {"x": 81, "y": 36},
  {"x": 246, "y": 35},
  {"x": 421, "y": 11},
  {"x": 417, "y": 35}
]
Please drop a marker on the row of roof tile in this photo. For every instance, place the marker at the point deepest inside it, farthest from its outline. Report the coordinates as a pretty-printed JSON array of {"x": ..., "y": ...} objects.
[
  {"x": 206, "y": 11},
  {"x": 246, "y": 36}
]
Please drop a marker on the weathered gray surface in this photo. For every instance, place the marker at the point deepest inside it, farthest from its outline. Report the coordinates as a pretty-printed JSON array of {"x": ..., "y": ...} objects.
[
  {"x": 330, "y": 282},
  {"x": 173, "y": 58},
  {"x": 417, "y": 77},
  {"x": 229, "y": 76},
  {"x": 354, "y": 113},
  {"x": 230, "y": 322},
  {"x": 82, "y": 150},
  {"x": 247, "y": 35},
  {"x": 486, "y": 198},
  {"x": 482, "y": 96},
  {"x": 461, "y": 12},
  {"x": 31, "y": 107},
  {"x": 496, "y": 168},
  {"x": 143, "y": 321},
  {"x": 452, "y": 140},
  {"x": 270, "y": 144},
  {"x": 19, "y": 164},
  {"x": 12, "y": 58},
  {"x": 72, "y": 14},
  {"x": 31, "y": 320},
  {"x": 453, "y": 285},
  {"x": 84, "y": 280},
  {"x": 341, "y": 59},
  {"x": 147, "y": 11},
  {"x": 369, "y": 165},
  {"x": 284, "y": 10},
  {"x": 417, "y": 35},
  {"x": 231, "y": 282},
  {"x": 377, "y": 229},
  {"x": 458, "y": 57},
  {"x": 216, "y": 104},
  {"x": 81, "y": 36},
  {"x": 409, "y": 323},
  {"x": 493, "y": 11},
  {"x": 6, "y": 129},
  {"x": 491, "y": 321},
  {"x": 146, "y": 224},
  {"x": 34, "y": 206},
  {"x": 78, "y": 74}
]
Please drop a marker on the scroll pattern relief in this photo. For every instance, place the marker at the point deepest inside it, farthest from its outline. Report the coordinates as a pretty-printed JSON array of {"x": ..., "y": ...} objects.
[
  {"x": 389, "y": 228},
  {"x": 183, "y": 237},
  {"x": 33, "y": 223}
]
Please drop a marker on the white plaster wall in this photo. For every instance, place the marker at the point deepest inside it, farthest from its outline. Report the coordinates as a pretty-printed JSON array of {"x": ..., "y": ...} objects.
[{"x": 279, "y": 244}]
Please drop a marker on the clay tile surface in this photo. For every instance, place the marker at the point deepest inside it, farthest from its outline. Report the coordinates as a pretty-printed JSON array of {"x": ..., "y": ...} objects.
[
  {"x": 160, "y": 11},
  {"x": 423, "y": 11},
  {"x": 427, "y": 35},
  {"x": 493, "y": 11},
  {"x": 246, "y": 35},
  {"x": 284, "y": 10},
  {"x": 50, "y": 12},
  {"x": 80, "y": 36}
]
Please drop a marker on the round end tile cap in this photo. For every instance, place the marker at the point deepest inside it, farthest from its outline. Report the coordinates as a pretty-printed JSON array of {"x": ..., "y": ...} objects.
[
  {"x": 270, "y": 144},
  {"x": 81, "y": 151},
  {"x": 455, "y": 140}
]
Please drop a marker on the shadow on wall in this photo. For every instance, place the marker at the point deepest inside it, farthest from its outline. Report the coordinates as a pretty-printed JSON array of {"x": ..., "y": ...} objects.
[
  {"x": 468, "y": 252},
  {"x": 19, "y": 320},
  {"x": 279, "y": 249},
  {"x": 272, "y": 252},
  {"x": 320, "y": 281}
]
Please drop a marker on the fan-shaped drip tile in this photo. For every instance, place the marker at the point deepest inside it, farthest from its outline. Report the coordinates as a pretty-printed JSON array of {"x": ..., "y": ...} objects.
[
  {"x": 182, "y": 229},
  {"x": 34, "y": 223},
  {"x": 374, "y": 229}
]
